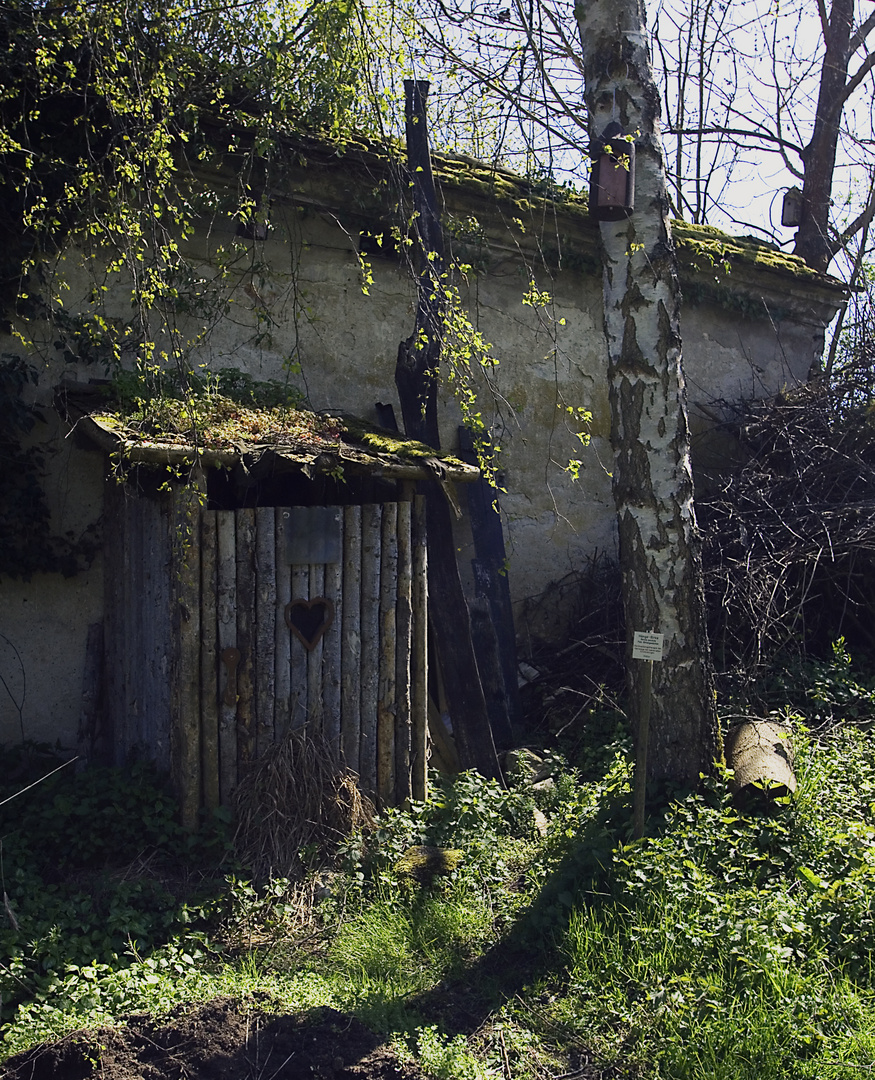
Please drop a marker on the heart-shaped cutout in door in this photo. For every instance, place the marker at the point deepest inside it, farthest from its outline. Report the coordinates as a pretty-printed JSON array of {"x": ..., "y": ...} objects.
[{"x": 309, "y": 619}]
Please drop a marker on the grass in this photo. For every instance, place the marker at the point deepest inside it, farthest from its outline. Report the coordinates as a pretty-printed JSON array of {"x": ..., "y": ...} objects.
[{"x": 723, "y": 945}]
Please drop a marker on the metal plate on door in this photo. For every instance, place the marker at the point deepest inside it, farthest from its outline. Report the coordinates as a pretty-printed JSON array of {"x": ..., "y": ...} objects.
[{"x": 314, "y": 535}]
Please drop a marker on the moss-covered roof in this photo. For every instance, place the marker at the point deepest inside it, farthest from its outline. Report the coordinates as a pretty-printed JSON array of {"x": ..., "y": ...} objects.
[
  {"x": 712, "y": 247},
  {"x": 700, "y": 247},
  {"x": 218, "y": 430}
]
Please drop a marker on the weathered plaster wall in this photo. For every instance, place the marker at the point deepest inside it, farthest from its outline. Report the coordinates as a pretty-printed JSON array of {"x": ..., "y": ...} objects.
[
  {"x": 296, "y": 310},
  {"x": 44, "y": 622},
  {"x": 549, "y": 359}
]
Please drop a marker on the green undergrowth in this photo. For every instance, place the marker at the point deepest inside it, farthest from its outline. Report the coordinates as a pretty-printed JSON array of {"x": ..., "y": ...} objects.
[{"x": 724, "y": 944}]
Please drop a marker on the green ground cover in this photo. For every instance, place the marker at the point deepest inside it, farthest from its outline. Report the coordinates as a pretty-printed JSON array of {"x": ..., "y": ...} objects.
[{"x": 724, "y": 944}]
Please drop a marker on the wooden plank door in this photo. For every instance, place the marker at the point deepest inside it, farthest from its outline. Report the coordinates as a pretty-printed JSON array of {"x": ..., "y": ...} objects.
[{"x": 354, "y": 681}]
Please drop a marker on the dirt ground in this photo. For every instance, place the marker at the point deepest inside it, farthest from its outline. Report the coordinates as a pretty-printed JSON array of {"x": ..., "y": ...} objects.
[{"x": 221, "y": 1040}]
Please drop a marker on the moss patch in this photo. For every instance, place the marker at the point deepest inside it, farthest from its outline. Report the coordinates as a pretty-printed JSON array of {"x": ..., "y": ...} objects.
[
  {"x": 221, "y": 421},
  {"x": 703, "y": 244}
]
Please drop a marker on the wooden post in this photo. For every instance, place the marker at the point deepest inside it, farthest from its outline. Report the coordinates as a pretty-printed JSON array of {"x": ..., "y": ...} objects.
[
  {"x": 386, "y": 685},
  {"x": 351, "y": 640},
  {"x": 315, "y": 700},
  {"x": 641, "y": 752},
  {"x": 370, "y": 623},
  {"x": 209, "y": 672},
  {"x": 113, "y": 554},
  {"x": 331, "y": 657},
  {"x": 419, "y": 655},
  {"x": 416, "y": 379},
  {"x": 245, "y": 639},
  {"x": 283, "y": 689},
  {"x": 226, "y": 612},
  {"x": 647, "y": 647},
  {"x": 187, "y": 637},
  {"x": 300, "y": 702},
  {"x": 264, "y": 651},
  {"x": 403, "y": 633},
  {"x": 90, "y": 714},
  {"x": 491, "y": 581},
  {"x": 142, "y": 701},
  {"x": 127, "y": 727},
  {"x": 160, "y": 559},
  {"x": 486, "y": 649}
]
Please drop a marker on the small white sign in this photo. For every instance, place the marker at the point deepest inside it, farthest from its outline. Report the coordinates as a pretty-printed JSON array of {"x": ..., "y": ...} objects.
[{"x": 646, "y": 646}]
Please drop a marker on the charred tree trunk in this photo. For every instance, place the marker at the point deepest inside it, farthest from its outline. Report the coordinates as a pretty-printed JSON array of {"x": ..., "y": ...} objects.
[
  {"x": 653, "y": 487},
  {"x": 416, "y": 378}
]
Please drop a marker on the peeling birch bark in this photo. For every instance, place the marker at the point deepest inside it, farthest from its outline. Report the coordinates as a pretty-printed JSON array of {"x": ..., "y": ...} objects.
[{"x": 653, "y": 486}]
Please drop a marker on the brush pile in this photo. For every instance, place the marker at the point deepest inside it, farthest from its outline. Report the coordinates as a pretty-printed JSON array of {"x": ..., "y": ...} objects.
[
  {"x": 297, "y": 798},
  {"x": 790, "y": 535}
]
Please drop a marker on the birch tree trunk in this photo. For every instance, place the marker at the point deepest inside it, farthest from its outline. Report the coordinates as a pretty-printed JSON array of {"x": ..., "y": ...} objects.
[{"x": 653, "y": 486}]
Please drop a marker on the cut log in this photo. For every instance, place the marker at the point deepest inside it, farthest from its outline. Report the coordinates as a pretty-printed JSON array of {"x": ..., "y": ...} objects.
[{"x": 760, "y": 756}]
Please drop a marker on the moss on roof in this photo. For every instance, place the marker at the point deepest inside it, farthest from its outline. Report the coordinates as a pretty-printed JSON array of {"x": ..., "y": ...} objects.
[
  {"x": 704, "y": 242},
  {"x": 243, "y": 422},
  {"x": 700, "y": 247}
]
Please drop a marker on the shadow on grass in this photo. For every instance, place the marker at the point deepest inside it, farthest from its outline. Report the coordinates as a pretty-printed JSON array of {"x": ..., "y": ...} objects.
[{"x": 531, "y": 951}]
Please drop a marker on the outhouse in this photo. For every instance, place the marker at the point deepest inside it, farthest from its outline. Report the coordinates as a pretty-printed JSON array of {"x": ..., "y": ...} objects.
[{"x": 256, "y": 587}]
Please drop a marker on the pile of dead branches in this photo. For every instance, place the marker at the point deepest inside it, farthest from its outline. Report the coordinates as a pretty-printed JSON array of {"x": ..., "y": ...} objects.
[
  {"x": 790, "y": 535},
  {"x": 297, "y": 798}
]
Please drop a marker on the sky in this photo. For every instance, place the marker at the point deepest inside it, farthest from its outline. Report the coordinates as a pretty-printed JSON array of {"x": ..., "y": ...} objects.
[{"x": 751, "y": 65}]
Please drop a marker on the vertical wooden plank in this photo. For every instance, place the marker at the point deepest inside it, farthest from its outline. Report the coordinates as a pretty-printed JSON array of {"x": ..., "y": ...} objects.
[
  {"x": 92, "y": 676},
  {"x": 315, "y": 703},
  {"x": 282, "y": 703},
  {"x": 226, "y": 611},
  {"x": 265, "y": 626},
  {"x": 491, "y": 581},
  {"x": 152, "y": 721},
  {"x": 351, "y": 639},
  {"x": 107, "y": 750},
  {"x": 370, "y": 623},
  {"x": 142, "y": 734},
  {"x": 419, "y": 655},
  {"x": 299, "y": 690},
  {"x": 403, "y": 631},
  {"x": 386, "y": 681},
  {"x": 331, "y": 655},
  {"x": 209, "y": 672},
  {"x": 186, "y": 680},
  {"x": 161, "y": 559},
  {"x": 127, "y": 715},
  {"x": 245, "y": 639},
  {"x": 156, "y": 719},
  {"x": 156, "y": 631}
]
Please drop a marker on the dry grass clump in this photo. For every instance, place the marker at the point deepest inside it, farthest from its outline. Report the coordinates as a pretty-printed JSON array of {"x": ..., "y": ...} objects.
[{"x": 297, "y": 796}]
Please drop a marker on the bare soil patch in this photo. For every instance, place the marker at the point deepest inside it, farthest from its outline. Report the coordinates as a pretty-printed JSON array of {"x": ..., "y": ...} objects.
[{"x": 223, "y": 1039}]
